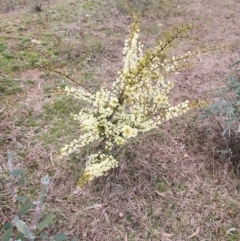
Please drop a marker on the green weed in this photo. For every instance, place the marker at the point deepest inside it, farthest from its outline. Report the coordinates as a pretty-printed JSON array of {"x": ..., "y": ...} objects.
[
  {"x": 87, "y": 5},
  {"x": 9, "y": 86}
]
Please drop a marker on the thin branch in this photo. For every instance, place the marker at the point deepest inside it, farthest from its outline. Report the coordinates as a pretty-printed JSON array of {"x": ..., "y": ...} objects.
[{"x": 64, "y": 75}]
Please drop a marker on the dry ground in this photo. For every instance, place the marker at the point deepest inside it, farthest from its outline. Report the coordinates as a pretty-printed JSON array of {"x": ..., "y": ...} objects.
[{"x": 172, "y": 183}]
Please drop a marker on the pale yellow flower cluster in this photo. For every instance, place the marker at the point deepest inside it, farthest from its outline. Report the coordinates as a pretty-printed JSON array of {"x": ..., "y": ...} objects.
[
  {"x": 136, "y": 102},
  {"x": 79, "y": 93},
  {"x": 99, "y": 164}
]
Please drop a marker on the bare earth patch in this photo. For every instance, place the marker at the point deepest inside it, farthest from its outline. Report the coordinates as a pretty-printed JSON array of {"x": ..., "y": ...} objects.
[{"x": 172, "y": 183}]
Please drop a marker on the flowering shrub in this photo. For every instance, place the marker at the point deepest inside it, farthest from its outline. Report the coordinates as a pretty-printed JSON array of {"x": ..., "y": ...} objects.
[{"x": 136, "y": 102}]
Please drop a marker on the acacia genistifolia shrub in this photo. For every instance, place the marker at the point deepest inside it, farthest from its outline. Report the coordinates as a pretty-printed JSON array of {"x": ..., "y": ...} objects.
[{"x": 136, "y": 102}]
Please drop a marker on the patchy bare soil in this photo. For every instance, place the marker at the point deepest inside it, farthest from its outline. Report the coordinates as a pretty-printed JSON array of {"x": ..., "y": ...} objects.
[{"x": 173, "y": 183}]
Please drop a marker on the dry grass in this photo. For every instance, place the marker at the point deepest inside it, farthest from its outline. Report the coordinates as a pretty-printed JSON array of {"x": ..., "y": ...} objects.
[{"x": 172, "y": 183}]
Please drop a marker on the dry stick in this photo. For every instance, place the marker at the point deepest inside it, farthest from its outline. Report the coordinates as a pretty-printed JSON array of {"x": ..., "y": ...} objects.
[{"x": 64, "y": 75}]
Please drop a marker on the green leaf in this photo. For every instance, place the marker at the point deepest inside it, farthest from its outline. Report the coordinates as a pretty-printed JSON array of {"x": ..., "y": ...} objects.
[
  {"x": 43, "y": 235},
  {"x": 75, "y": 238},
  {"x": 21, "y": 198},
  {"x": 236, "y": 63},
  {"x": 12, "y": 191},
  {"x": 44, "y": 189},
  {"x": 21, "y": 180},
  {"x": 16, "y": 173},
  {"x": 43, "y": 193},
  {"x": 46, "y": 221},
  {"x": 30, "y": 235},
  {"x": 23, "y": 228},
  {"x": 60, "y": 237},
  {"x": 7, "y": 235},
  {"x": 25, "y": 208},
  {"x": 9, "y": 156},
  {"x": 45, "y": 180},
  {"x": 7, "y": 226},
  {"x": 20, "y": 236}
]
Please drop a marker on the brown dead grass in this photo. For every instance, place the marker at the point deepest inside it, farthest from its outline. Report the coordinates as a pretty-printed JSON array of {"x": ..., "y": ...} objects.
[{"x": 172, "y": 183}]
